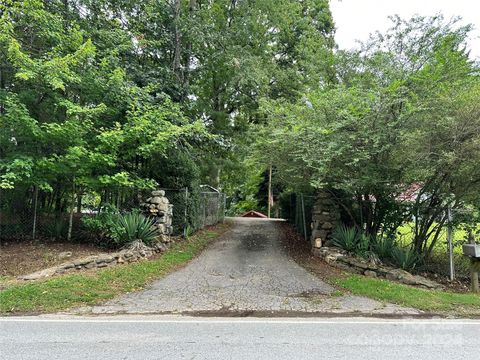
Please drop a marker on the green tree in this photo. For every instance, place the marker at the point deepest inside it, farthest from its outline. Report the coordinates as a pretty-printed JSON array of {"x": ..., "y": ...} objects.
[
  {"x": 401, "y": 114},
  {"x": 71, "y": 119}
]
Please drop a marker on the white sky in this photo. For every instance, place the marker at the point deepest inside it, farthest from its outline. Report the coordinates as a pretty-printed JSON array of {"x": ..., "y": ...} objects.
[{"x": 356, "y": 19}]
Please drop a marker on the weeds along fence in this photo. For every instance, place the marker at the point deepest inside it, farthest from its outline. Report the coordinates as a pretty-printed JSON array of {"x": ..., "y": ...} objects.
[
  {"x": 297, "y": 208},
  {"x": 30, "y": 214}
]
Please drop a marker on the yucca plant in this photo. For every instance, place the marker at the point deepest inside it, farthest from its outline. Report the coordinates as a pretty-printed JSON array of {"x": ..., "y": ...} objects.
[
  {"x": 384, "y": 247},
  {"x": 134, "y": 226},
  {"x": 345, "y": 238},
  {"x": 406, "y": 259},
  {"x": 363, "y": 244}
]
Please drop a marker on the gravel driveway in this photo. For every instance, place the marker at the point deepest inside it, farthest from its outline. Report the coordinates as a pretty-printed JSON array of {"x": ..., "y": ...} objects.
[{"x": 246, "y": 271}]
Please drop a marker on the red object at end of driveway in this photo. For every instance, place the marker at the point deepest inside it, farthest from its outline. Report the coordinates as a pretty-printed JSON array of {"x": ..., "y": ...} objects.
[{"x": 254, "y": 214}]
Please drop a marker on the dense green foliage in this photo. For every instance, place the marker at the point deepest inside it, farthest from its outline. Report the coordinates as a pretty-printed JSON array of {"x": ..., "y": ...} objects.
[
  {"x": 385, "y": 249},
  {"x": 134, "y": 226},
  {"x": 402, "y": 114},
  {"x": 347, "y": 239},
  {"x": 406, "y": 259},
  {"x": 74, "y": 118},
  {"x": 99, "y": 99}
]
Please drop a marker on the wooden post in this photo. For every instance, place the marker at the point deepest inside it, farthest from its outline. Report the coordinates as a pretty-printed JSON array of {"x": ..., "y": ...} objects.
[
  {"x": 473, "y": 269},
  {"x": 269, "y": 190},
  {"x": 474, "y": 275}
]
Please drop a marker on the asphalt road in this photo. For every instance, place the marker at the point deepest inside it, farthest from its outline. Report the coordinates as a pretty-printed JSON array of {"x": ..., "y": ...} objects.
[
  {"x": 153, "y": 337},
  {"x": 247, "y": 270}
]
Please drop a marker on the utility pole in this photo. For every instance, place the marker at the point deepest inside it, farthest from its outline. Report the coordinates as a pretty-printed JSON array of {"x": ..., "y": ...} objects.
[{"x": 270, "y": 197}]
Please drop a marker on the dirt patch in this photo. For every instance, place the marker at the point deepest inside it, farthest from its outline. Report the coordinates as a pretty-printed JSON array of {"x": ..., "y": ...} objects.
[
  {"x": 300, "y": 250},
  {"x": 20, "y": 258}
]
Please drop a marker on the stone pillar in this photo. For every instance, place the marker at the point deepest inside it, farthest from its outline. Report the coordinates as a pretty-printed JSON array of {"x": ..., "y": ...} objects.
[
  {"x": 159, "y": 208},
  {"x": 325, "y": 218}
]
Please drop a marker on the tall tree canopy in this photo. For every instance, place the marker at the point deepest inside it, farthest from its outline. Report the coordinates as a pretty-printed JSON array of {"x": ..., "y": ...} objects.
[
  {"x": 109, "y": 95},
  {"x": 404, "y": 111}
]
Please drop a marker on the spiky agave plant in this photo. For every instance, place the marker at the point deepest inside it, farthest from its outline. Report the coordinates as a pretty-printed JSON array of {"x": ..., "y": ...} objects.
[
  {"x": 405, "y": 258},
  {"x": 345, "y": 238},
  {"x": 134, "y": 226},
  {"x": 384, "y": 247}
]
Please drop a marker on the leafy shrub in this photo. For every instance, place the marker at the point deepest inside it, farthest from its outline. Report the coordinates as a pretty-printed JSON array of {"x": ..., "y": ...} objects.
[
  {"x": 102, "y": 227},
  {"x": 351, "y": 240},
  {"x": 363, "y": 244},
  {"x": 188, "y": 231},
  {"x": 134, "y": 226},
  {"x": 406, "y": 259}
]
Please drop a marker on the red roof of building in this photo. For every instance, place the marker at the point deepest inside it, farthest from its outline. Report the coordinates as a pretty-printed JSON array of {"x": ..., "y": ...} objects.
[
  {"x": 411, "y": 193},
  {"x": 254, "y": 214}
]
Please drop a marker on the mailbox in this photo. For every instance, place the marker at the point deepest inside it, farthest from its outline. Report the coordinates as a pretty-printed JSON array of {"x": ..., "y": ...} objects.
[{"x": 471, "y": 250}]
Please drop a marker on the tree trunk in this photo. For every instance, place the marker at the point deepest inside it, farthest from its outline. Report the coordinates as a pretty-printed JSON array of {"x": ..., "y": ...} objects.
[
  {"x": 2, "y": 86},
  {"x": 72, "y": 208},
  {"x": 35, "y": 198},
  {"x": 177, "y": 46},
  {"x": 188, "y": 47},
  {"x": 79, "y": 203}
]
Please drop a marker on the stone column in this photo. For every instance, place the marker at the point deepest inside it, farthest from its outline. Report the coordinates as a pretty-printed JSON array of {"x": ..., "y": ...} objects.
[
  {"x": 159, "y": 208},
  {"x": 325, "y": 218}
]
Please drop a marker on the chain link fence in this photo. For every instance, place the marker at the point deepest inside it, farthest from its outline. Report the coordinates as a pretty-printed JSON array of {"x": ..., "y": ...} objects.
[
  {"x": 23, "y": 215},
  {"x": 297, "y": 208},
  {"x": 29, "y": 213}
]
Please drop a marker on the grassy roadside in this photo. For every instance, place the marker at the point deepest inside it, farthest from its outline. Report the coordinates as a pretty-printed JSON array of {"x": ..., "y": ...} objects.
[
  {"x": 436, "y": 301},
  {"x": 430, "y": 301},
  {"x": 68, "y": 291}
]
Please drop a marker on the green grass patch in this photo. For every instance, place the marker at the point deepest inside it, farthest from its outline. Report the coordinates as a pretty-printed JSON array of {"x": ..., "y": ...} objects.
[
  {"x": 423, "y": 299},
  {"x": 92, "y": 288}
]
